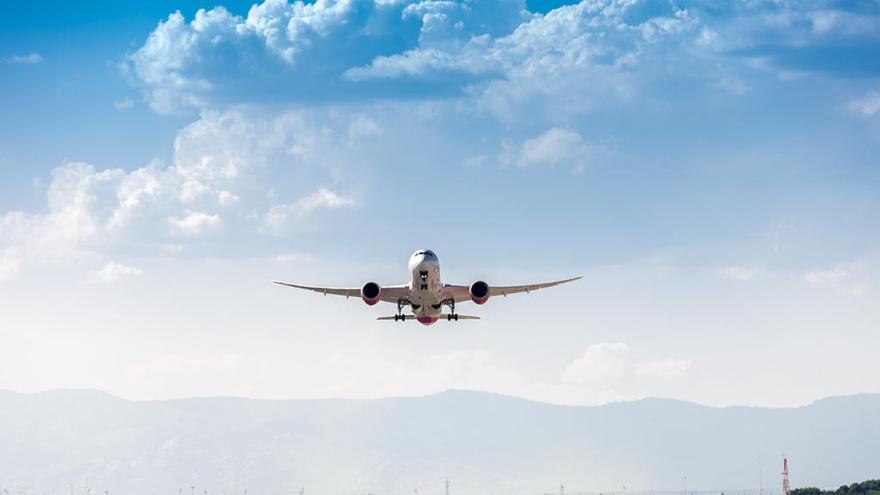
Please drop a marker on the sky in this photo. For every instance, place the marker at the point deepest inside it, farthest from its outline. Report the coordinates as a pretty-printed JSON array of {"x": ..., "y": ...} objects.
[{"x": 710, "y": 168}]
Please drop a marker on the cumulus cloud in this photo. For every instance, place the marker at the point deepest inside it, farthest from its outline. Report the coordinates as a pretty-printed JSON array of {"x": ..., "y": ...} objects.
[
  {"x": 280, "y": 215},
  {"x": 475, "y": 161},
  {"x": 30, "y": 58},
  {"x": 664, "y": 369},
  {"x": 195, "y": 223},
  {"x": 846, "y": 278},
  {"x": 609, "y": 362},
  {"x": 361, "y": 127},
  {"x": 569, "y": 60},
  {"x": 554, "y": 146},
  {"x": 223, "y": 167},
  {"x": 123, "y": 104},
  {"x": 601, "y": 362},
  {"x": 866, "y": 106},
  {"x": 293, "y": 49},
  {"x": 114, "y": 272}
]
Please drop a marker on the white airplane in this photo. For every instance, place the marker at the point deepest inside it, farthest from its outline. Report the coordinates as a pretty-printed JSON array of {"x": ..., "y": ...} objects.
[{"x": 425, "y": 293}]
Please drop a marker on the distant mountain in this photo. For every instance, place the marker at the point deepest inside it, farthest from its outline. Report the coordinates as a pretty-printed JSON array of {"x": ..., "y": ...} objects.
[{"x": 484, "y": 443}]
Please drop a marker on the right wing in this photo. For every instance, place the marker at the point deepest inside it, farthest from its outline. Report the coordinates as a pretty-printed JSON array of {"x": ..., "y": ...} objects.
[
  {"x": 460, "y": 293},
  {"x": 388, "y": 294},
  {"x": 513, "y": 289}
]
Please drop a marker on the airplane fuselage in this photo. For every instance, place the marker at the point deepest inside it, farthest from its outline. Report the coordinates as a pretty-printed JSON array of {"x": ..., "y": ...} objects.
[{"x": 426, "y": 290}]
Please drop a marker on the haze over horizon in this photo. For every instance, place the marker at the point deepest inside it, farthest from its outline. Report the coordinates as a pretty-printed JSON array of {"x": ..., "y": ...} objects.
[
  {"x": 484, "y": 443},
  {"x": 431, "y": 394},
  {"x": 710, "y": 168}
]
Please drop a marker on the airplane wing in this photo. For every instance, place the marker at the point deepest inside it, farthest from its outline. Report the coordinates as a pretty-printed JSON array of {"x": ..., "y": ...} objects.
[
  {"x": 389, "y": 294},
  {"x": 460, "y": 292}
]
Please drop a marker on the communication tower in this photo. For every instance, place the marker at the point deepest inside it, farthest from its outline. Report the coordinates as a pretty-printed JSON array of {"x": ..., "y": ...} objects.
[{"x": 785, "y": 486}]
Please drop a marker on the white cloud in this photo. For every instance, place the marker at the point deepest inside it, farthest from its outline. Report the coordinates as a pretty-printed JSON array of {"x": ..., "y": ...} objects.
[
  {"x": 361, "y": 127},
  {"x": 740, "y": 273},
  {"x": 845, "y": 278},
  {"x": 222, "y": 169},
  {"x": 195, "y": 223},
  {"x": 554, "y": 146},
  {"x": 664, "y": 369},
  {"x": 30, "y": 58},
  {"x": 114, "y": 272},
  {"x": 605, "y": 364},
  {"x": 464, "y": 368},
  {"x": 474, "y": 161},
  {"x": 600, "y": 363},
  {"x": 576, "y": 54},
  {"x": 123, "y": 104},
  {"x": 847, "y": 24},
  {"x": 279, "y": 215},
  {"x": 10, "y": 263},
  {"x": 296, "y": 47},
  {"x": 866, "y": 106},
  {"x": 512, "y": 63}
]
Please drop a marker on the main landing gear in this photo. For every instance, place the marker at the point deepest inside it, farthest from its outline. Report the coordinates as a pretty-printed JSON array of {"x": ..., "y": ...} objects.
[
  {"x": 452, "y": 316},
  {"x": 400, "y": 316}
]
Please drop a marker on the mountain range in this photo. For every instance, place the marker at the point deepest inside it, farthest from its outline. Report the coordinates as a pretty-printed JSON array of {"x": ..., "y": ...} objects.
[{"x": 78, "y": 440}]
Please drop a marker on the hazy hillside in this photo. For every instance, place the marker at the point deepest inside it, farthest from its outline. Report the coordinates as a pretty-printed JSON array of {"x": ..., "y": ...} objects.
[{"x": 484, "y": 443}]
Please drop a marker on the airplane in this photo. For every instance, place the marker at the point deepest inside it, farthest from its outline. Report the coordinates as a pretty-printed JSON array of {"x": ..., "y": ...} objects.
[{"x": 425, "y": 294}]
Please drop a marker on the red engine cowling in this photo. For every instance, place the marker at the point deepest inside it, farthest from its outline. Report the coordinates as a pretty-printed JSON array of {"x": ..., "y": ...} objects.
[
  {"x": 370, "y": 293},
  {"x": 479, "y": 292}
]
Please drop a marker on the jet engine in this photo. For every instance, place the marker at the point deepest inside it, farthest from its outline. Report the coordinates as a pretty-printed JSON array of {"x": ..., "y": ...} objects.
[
  {"x": 479, "y": 292},
  {"x": 370, "y": 293}
]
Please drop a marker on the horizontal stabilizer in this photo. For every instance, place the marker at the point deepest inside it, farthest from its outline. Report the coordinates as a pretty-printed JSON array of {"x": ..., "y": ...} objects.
[
  {"x": 413, "y": 317},
  {"x": 408, "y": 317}
]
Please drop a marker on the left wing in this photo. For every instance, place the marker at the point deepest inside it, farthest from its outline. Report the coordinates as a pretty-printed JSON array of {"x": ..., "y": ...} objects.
[
  {"x": 388, "y": 294},
  {"x": 460, "y": 292}
]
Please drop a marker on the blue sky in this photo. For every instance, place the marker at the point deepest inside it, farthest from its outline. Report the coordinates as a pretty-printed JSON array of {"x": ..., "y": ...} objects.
[{"x": 711, "y": 167}]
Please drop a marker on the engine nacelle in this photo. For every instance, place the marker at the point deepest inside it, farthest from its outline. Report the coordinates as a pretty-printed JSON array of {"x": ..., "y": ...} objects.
[
  {"x": 370, "y": 293},
  {"x": 479, "y": 292}
]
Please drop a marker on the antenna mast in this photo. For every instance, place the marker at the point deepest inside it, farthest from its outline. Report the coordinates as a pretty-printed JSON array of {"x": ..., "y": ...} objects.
[{"x": 786, "y": 489}]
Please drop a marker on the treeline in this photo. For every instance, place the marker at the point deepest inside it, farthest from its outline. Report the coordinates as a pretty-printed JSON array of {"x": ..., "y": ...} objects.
[{"x": 870, "y": 487}]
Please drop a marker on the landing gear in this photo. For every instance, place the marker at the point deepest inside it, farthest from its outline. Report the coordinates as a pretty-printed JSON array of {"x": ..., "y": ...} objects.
[
  {"x": 400, "y": 304},
  {"x": 452, "y": 316}
]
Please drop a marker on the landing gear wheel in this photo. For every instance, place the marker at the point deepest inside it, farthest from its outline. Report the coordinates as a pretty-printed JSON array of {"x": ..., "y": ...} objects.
[
  {"x": 400, "y": 316},
  {"x": 452, "y": 315}
]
